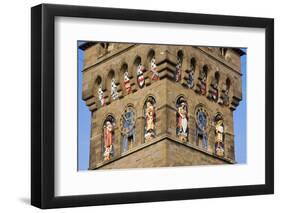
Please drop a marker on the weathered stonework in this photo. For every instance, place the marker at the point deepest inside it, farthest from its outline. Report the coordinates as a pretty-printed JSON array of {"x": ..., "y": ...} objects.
[{"x": 104, "y": 61}]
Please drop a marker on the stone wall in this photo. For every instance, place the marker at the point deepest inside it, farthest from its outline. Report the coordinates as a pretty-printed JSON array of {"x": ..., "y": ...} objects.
[{"x": 163, "y": 153}]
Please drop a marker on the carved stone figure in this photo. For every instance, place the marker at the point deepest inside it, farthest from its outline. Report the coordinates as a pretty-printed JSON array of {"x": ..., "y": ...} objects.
[
  {"x": 201, "y": 85},
  {"x": 182, "y": 119},
  {"x": 190, "y": 78},
  {"x": 114, "y": 93},
  {"x": 140, "y": 77},
  {"x": 178, "y": 70},
  {"x": 128, "y": 129},
  {"x": 149, "y": 118},
  {"x": 153, "y": 68},
  {"x": 108, "y": 137},
  {"x": 219, "y": 131},
  {"x": 213, "y": 91},
  {"x": 127, "y": 83},
  {"x": 190, "y": 74},
  {"x": 101, "y": 97},
  {"x": 224, "y": 96},
  {"x": 202, "y": 122}
]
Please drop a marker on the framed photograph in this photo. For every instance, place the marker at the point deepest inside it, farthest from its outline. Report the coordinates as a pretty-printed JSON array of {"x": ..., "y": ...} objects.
[{"x": 136, "y": 106}]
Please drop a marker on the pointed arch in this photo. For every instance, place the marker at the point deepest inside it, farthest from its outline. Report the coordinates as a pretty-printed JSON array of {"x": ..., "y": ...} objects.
[
  {"x": 111, "y": 85},
  {"x": 202, "y": 80},
  {"x": 108, "y": 137},
  {"x": 202, "y": 123},
  {"x": 213, "y": 93},
  {"x": 224, "y": 97},
  {"x": 152, "y": 65},
  {"x": 182, "y": 129},
  {"x": 178, "y": 70},
  {"x": 125, "y": 78},
  {"x": 128, "y": 128},
  {"x": 191, "y": 72},
  {"x": 138, "y": 66},
  {"x": 219, "y": 135},
  {"x": 98, "y": 91},
  {"x": 150, "y": 118}
]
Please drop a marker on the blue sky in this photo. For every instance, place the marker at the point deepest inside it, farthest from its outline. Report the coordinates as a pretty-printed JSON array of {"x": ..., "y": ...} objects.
[
  {"x": 240, "y": 113},
  {"x": 84, "y": 121}
]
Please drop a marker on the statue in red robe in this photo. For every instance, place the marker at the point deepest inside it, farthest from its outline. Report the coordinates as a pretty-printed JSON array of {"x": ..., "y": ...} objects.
[{"x": 108, "y": 132}]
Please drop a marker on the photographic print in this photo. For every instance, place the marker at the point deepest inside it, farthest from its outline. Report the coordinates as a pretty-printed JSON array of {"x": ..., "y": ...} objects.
[
  {"x": 181, "y": 106},
  {"x": 157, "y": 105}
]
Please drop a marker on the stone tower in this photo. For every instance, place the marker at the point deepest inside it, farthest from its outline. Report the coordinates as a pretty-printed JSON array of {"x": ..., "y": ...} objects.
[{"x": 160, "y": 105}]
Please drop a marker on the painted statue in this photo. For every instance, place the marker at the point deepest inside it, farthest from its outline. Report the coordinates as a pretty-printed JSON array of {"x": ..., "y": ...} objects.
[
  {"x": 153, "y": 68},
  {"x": 190, "y": 77},
  {"x": 101, "y": 96},
  {"x": 127, "y": 83},
  {"x": 114, "y": 93},
  {"x": 202, "y": 121},
  {"x": 178, "y": 70},
  {"x": 224, "y": 97},
  {"x": 108, "y": 137},
  {"x": 213, "y": 91},
  {"x": 202, "y": 82},
  {"x": 128, "y": 129},
  {"x": 149, "y": 118},
  {"x": 219, "y": 131},
  {"x": 182, "y": 119},
  {"x": 140, "y": 77}
]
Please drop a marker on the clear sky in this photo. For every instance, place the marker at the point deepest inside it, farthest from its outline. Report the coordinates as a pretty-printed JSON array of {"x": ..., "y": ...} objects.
[
  {"x": 240, "y": 115},
  {"x": 84, "y": 121}
]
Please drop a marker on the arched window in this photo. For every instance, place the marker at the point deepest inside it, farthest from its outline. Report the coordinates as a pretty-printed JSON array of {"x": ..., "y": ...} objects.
[
  {"x": 178, "y": 66},
  {"x": 99, "y": 91},
  {"x": 126, "y": 78},
  {"x": 139, "y": 70},
  {"x": 201, "y": 85},
  {"x": 111, "y": 84},
  {"x": 191, "y": 71},
  {"x": 219, "y": 132},
  {"x": 128, "y": 129},
  {"x": 108, "y": 137},
  {"x": 153, "y": 66},
  {"x": 213, "y": 91},
  {"x": 182, "y": 119},
  {"x": 201, "y": 128},
  {"x": 150, "y": 118}
]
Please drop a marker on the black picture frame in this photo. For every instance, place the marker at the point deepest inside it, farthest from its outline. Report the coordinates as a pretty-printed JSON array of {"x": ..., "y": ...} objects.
[{"x": 43, "y": 105}]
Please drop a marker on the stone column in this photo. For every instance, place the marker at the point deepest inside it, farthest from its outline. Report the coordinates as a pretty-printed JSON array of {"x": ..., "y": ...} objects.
[
  {"x": 161, "y": 120},
  {"x": 192, "y": 130},
  {"x": 139, "y": 130},
  {"x": 117, "y": 141},
  {"x": 211, "y": 140},
  {"x": 171, "y": 121}
]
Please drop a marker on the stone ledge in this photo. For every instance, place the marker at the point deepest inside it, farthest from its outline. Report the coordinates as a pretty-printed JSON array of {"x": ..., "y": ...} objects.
[{"x": 159, "y": 139}]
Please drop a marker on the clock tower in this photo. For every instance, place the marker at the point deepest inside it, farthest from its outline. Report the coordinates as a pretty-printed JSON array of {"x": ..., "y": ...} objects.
[{"x": 160, "y": 105}]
